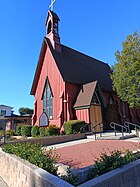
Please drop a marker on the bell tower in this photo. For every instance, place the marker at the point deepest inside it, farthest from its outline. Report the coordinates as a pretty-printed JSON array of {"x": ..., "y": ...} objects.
[{"x": 52, "y": 30}]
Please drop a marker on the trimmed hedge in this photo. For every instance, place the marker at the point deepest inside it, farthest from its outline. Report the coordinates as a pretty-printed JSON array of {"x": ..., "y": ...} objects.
[
  {"x": 35, "y": 131},
  {"x": 26, "y": 130},
  {"x": 73, "y": 126},
  {"x": 52, "y": 130},
  {"x": 42, "y": 131},
  {"x": 18, "y": 130}
]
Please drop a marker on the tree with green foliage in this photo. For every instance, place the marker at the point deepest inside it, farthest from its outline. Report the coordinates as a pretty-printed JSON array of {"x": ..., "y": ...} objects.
[
  {"x": 24, "y": 111},
  {"x": 126, "y": 72}
]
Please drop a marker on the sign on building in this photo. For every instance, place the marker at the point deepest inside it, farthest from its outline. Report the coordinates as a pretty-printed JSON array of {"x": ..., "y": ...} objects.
[{"x": 43, "y": 122}]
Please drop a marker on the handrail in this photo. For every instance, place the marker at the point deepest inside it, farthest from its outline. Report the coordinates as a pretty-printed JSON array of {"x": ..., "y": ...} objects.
[
  {"x": 84, "y": 128},
  {"x": 101, "y": 126},
  {"x": 113, "y": 125},
  {"x": 3, "y": 137},
  {"x": 127, "y": 124}
]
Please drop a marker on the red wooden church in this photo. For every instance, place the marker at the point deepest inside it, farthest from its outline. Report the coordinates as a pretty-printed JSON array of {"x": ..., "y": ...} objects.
[{"x": 71, "y": 85}]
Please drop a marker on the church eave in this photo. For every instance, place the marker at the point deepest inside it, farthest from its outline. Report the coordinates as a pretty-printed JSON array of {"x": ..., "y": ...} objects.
[
  {"x": 45, "y": 44},
  {"x": 38, "y": 68}
]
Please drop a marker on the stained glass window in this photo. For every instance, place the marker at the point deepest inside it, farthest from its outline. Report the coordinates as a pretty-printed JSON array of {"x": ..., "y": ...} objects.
[{"x": 48, "y": 100}]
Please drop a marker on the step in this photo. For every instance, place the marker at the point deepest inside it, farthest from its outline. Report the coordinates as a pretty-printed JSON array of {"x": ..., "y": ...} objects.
[
  {"x": 117, "y": 137},
  {"x": 111, "y": 136}
]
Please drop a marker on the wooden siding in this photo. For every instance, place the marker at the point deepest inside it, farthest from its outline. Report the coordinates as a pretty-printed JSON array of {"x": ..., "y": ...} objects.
[
  {"x": 50, "y": 70},
  {"x": 95, "y": 117},
  {"x": 72, "y": 91},
  {"x": 83, "y": 114}
]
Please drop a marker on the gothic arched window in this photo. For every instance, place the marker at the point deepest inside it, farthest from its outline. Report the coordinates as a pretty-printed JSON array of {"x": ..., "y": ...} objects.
[
  {"x": 48, "y": 100},
  {"x": 111, "y": 100}
]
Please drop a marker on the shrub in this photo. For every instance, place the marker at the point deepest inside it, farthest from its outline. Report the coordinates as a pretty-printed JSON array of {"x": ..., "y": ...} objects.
[
  {"x": 10, "y": 132},
  {"x": 49, "y": 131},
  {"x": 42, "y": 131},
  {"x": 35, "y": 131},
  {"x": 70, "y": 178},
  {"x": 73, "y": 126},
  {"x": 52, "y": 130},
  {"x": 18, "y": 130},
  {"x": 34, "y": 154},
  {"x": 1, "y": 133},
  {"x": 115, "y": 160},
  {"x": 26, "y": 130}
]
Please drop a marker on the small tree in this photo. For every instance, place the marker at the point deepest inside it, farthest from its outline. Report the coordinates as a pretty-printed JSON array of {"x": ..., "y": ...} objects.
[
  {"x": 126, "y": 72},
  {"x": 24, "y": 111}
]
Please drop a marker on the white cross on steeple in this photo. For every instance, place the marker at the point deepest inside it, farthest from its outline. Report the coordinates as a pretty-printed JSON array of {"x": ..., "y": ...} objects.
[{"x": 51, "y": 6}]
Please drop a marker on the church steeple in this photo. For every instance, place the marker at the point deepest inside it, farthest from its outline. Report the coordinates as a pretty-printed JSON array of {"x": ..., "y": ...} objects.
[{"x": 52, "y": 30}]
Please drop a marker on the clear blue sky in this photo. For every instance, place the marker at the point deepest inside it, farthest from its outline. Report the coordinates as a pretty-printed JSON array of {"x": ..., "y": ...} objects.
[{"x": 95, "y": 27}]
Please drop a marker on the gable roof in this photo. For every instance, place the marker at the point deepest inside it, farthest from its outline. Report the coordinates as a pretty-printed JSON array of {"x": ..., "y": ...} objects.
[
  {"x": 77, "y": 68},
  {"x": 85, "y": 95},
  {"x": 5, "y": 106},
  {"x": 39, "y": 67}
]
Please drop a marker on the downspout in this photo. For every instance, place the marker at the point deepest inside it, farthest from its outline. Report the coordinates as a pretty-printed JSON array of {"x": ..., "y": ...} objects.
[
  {"x": 65, "y": 103},
  {"x": 89, "y": 119}
]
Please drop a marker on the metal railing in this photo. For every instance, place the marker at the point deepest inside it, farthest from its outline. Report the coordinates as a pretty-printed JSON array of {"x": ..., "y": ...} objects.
[
  {"x": 128, "y": 124},
  {"x": 114, "y": 125},
  {"x": 3, "y": 137},
  {"x": 101, "y": 129}
]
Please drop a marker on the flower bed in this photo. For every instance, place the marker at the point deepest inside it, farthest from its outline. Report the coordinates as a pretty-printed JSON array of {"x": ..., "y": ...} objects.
[{"x": 16, "y": 171}]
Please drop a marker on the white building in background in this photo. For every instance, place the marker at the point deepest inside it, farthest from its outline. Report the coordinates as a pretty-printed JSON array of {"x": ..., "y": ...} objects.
[{"x": 6, "y": 110}]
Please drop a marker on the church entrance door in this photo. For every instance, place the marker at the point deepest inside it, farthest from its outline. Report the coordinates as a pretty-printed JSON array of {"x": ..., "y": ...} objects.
[{"x": 95, "y": 118}]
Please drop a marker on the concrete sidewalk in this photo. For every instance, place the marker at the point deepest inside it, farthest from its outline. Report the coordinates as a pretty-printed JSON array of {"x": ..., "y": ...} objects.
[
  {"x": 67, "y": 144},
  {"x": 2, "y": 183},
  {"x": 136, "y": 139}
]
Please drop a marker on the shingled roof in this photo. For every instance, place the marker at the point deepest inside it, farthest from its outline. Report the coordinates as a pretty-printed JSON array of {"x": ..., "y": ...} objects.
[
  {"x": 84, "y": 98},
  {"x": 77, "y": 68},
  {"x": 85, "y": 95}
]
